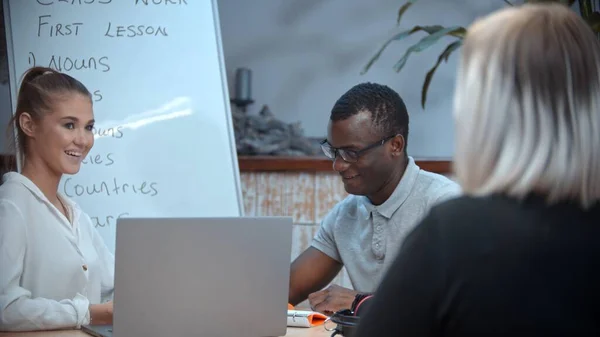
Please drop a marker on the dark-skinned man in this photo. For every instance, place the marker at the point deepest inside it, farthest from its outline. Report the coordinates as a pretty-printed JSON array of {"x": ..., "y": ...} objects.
[{"x": 366, "y": 139}]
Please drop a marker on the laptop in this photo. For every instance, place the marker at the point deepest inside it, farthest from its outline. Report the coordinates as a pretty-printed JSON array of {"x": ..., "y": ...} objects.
[
  {"x": 200, "y": 277},
  {"x": 98, "y": 330}
]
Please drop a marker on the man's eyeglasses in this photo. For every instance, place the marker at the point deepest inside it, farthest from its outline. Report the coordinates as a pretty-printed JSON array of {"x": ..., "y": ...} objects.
[{"x": 349, "y": 156}]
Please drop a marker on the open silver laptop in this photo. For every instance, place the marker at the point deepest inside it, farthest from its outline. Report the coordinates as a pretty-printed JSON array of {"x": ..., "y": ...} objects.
[{"x": 200, "y": 277}]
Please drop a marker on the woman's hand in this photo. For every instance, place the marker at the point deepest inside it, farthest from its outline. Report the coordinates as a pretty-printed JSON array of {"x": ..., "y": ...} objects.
[{"x": 101, "y": 314}]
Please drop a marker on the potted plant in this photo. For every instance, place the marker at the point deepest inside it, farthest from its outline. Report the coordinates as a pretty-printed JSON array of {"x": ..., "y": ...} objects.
[{"x": 588, "y": 8}]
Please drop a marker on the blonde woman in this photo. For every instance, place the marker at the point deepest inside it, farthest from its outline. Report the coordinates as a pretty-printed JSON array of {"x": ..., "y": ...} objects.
[
  {"x": 55, "y": 270},
  {"x": 518, "y": 255}
]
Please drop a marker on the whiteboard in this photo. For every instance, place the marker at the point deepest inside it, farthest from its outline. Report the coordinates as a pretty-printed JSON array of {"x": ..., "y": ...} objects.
[{"x": 164, "y": 142}]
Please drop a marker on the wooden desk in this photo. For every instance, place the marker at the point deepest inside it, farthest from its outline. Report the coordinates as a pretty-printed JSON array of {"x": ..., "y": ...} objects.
[{"x": 318, "y": 331}]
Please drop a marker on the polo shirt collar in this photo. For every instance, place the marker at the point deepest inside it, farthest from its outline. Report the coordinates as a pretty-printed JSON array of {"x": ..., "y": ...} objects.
[{"x": 400, "y": 194}]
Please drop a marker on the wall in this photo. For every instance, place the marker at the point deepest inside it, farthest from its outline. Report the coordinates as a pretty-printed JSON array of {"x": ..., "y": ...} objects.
[
  {"x": 5, "y": 105},
  {"x": 305, "y": 53},
  {"x": 306, "y": 196},
  {"x": 5, "y": 115}
]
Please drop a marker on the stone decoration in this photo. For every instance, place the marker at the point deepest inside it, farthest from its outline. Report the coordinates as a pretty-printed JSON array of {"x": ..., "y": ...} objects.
[{"x": 264, "y": 135}]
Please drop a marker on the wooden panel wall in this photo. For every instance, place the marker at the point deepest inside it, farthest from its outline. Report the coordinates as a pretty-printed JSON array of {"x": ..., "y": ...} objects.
[{"x": 306, "y": 196}]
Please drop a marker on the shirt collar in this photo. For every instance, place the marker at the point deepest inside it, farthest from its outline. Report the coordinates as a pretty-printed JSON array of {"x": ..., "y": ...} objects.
[
  {"x": 400, "y": 194},
  {"x": 23, "y": 180}
]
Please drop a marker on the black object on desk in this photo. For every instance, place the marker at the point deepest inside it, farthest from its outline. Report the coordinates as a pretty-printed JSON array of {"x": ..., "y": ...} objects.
[{"x": 347, "y": 319}]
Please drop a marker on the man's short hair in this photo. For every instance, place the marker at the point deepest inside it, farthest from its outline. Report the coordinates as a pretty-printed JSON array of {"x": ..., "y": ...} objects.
[{"x": 387, "y": 108}]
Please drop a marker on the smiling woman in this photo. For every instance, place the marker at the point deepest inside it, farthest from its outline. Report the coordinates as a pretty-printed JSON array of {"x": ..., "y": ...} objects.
[
  {"x": 68, "y": 271},
  {"x": 49, "y": 107}
]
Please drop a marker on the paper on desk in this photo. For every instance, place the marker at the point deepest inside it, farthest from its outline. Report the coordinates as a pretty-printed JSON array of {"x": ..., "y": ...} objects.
[{"x": 304, "y": 319}]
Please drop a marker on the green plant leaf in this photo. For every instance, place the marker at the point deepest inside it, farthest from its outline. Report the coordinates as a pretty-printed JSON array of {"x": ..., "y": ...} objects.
[
  {"x": 406, "y": 33},
  {"x": 585, "y": 8},
  {"x": 443, "y": 57},
  {"x": 594, "y": 21},
  {"x": 403, "y": 9},
  {"x": 427, "y": 42}
]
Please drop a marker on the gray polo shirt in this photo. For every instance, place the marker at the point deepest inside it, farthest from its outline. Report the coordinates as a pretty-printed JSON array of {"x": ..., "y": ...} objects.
[{"x": 366, "y": 238}]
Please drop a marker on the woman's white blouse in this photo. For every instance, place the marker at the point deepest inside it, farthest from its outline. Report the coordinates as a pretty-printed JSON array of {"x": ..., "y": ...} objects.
[{"x": 50, "y": 270}]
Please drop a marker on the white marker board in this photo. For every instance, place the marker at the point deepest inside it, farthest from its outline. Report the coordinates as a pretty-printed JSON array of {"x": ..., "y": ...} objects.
[{"x": 164, "y": 143}]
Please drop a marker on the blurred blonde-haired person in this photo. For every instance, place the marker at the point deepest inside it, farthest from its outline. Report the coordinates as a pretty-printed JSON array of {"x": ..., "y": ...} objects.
[{"x": 519, "y": 253}]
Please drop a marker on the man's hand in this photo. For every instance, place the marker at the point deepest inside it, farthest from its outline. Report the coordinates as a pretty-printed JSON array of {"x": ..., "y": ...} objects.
[
  {"x": 332, "y": 299},
  {"x": 101, "y": 314},
  {"x": 311, "y": 271}
]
